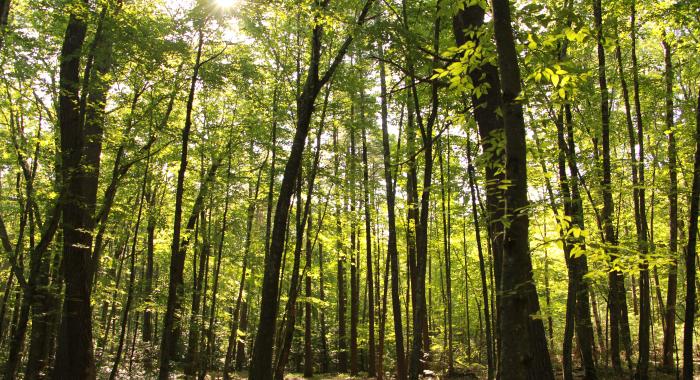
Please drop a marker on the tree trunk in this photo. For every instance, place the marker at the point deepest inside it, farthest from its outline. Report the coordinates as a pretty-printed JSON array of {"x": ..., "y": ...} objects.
[
  {"x": 303, "y": 212},
  {"x": 322, "y": 315},
  {"x": 392, "y": 250},
  {"x": 491, "y": 130},
  {"x": 308, "y": 353},
  {"x": 177, "y": 260},
  {"x": 342, "y": 345},
  {"x": 482, "y": 271},
  {"x": 74, "y": 355},
  {"x": 240, "y": 309},
  {"x": 690, "y": 254},
  {"x": 524, "y": 349},
  {"x": 354, "y": 274},
  {"x": 192, "y": 356},
  {"x": 446, "y": 228},
  {"x": 262, "y": 351},
  {"x": 616, "y": 294},
  {"x": 672, "y": 289},
  {"x": 644, "y": 278},
  {"x": 371, "y": 368},
  {"x": 420, "y": 342},
  {"x": 132, "y": 278}
]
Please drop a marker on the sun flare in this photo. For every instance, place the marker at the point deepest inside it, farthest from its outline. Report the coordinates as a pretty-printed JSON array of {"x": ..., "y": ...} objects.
[{"x": 227, "y": 3}]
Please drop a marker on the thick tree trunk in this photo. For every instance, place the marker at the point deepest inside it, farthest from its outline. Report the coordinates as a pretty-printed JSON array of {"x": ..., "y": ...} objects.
[
  {"x": 4, "y": 18},
  {"x": 524, "y": 349},
  {"x": 491, "y": 129},
  {"x": 74, "y": 355}
]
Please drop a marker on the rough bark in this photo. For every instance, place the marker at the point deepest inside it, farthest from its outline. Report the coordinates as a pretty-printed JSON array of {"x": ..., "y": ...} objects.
[
  {"x": 74, "y": 354},
  {"x": 524, "y": 348}
]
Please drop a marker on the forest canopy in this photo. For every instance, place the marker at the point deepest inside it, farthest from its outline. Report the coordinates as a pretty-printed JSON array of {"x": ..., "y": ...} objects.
[{"x": 220, "y": 189}]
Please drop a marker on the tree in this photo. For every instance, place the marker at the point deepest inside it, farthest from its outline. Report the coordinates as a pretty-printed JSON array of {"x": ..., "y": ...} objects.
[{"x": 524, "y": 348}]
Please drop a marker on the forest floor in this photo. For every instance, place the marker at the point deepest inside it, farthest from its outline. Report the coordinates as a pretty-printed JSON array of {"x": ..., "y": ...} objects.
[{"x": 603, "y": 374}]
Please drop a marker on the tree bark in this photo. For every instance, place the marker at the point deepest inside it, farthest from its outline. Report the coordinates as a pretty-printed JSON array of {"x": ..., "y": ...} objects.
[
  {"x": 74, "y": 354},
  {"x": 616, "y": 280},
  {"x": 371, "y": 367},
  {"x": 392, "y": 250},
  {"x": 491, "y": 132},
  {"x": 690, "y": 257},
  {"x": 524, "y": 349},
  {"x": 177, "y": 260},
  {"x": 262, "y": 351},
  {"x": 642, "y": 371},
  {"x": 132, "y": 278},
  {"x": 482, "y": 271},
  {"x": 672, "y": 289}
]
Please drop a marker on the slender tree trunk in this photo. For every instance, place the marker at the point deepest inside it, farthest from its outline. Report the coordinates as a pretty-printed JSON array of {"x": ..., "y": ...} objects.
[
  {"x": 212, "y": 352},
  {"x": 644, "y": 278},
  {"x": 262, "y": 351},
  {"x": 192, "y": 356},
  {"x": 482, "y": 270},
  {"x": 303, "y": 212},
  {"x": 690, "y": 257},
  {"x": 392, "y": 250},
  {"x": 132, "y": 278},
  {"x": 672, "y": 289},
  {"x": 240, "y": 308},
  {"x": 342, "y": 345},
  {"x": 421, "y": 345},
  {"x": 322, "y": 315},
  {"x": 584, "y": 327},
  {"x": 308, "y": 353},
  {"x": 616, "y": 297},
  {"x": 177, "y": 260},
  {"x": 354, "y": 270},
  {"x": 446, "y": 228},
  {"x": 371, "y": 369}
]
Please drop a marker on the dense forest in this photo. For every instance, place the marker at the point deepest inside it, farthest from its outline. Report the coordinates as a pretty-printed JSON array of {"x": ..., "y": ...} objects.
[{"x": 221, "y": 189}]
